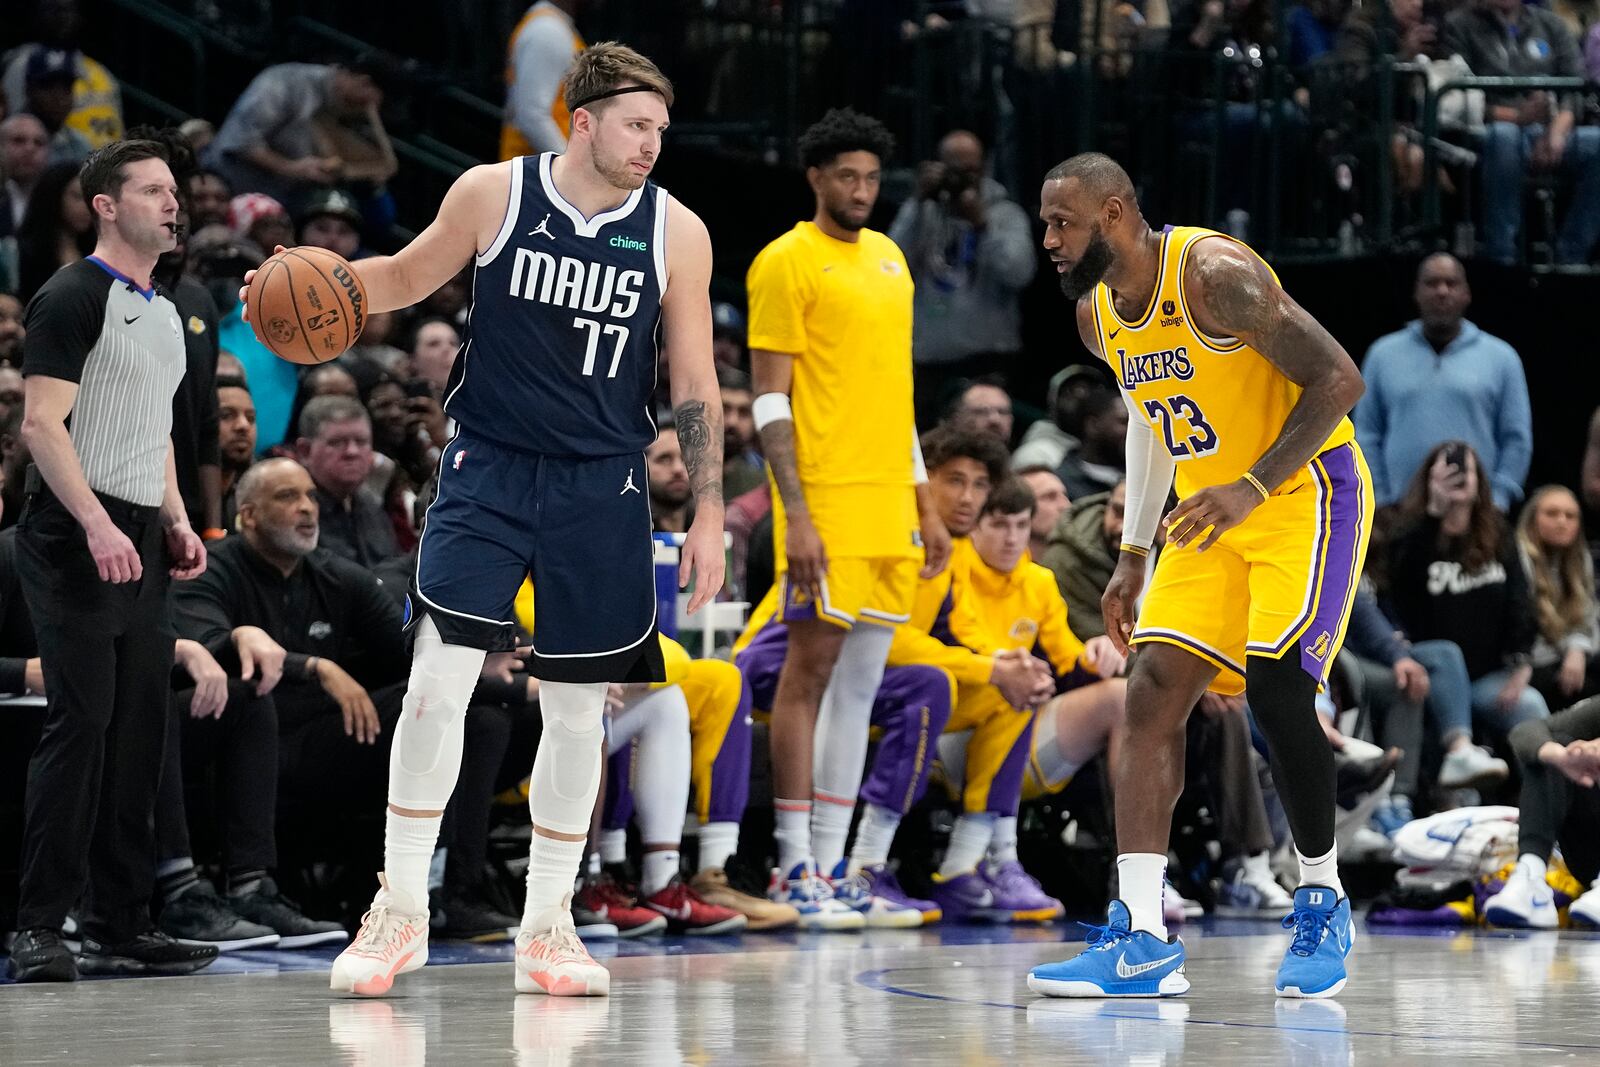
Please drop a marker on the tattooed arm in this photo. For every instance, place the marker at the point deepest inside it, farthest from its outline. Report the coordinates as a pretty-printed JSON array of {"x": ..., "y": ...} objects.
[
  {"x": 805, "y": 558},
  {"x": 1231, "y": 293},
  {"x": 696, "y": 400}
]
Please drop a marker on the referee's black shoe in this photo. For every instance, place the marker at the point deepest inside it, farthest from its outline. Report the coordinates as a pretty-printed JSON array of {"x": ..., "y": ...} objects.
[
  {"x": 152, "y": 952},
  {"x": 38, "y": 955}
]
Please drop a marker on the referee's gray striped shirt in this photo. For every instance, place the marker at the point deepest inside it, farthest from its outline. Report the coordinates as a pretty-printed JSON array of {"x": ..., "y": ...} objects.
[{"x": 124, "y": 347}]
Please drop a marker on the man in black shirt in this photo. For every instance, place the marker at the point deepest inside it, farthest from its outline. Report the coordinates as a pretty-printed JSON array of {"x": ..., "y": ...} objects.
[
  {"x": 336, "y": 447},
  {"x": 236, "y": 439},
  {"x": 103, "y": 533}
]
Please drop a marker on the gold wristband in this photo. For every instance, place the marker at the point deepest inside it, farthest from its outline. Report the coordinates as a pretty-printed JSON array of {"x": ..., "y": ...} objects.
[
  {"x": 1135, "y": 550},
  {"x": 1253, "y": 480}
]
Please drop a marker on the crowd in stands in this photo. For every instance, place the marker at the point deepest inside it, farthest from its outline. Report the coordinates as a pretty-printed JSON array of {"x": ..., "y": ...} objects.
[{"x": 1477, "y": 621}]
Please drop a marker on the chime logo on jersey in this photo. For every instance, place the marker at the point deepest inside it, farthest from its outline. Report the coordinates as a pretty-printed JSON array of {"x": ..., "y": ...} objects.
[
  {"x": 577, "y": 284},
  {"x": 1154, "y": 366}
]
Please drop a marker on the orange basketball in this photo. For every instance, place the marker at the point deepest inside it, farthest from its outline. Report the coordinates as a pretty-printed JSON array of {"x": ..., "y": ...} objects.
[{"x": 307, "y": 305}]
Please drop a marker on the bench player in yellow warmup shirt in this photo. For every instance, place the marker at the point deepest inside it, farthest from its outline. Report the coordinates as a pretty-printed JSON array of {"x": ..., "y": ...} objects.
[
  {"x": 1239, "y": 398},
  {"x": 830, "y": 350}
]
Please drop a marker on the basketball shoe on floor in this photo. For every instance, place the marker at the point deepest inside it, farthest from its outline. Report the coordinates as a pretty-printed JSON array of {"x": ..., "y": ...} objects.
[
  {"x": 199, "y": 914},
  {"x": 687, "y": 913},
  {"x": 809, "y": 894},
  {"x": 1323, "y": 937},
  {"x": 1117, "y": 962},
  {"x": 602, "y": 896},
  {"x": 1018, "y": 896},
  {"x": 393, "y": 940},
  {"x": 272, "y": 909},
  {"x": 1585, "y": 911},
  {"x": 713, "y": 887},
  {"x": 1249, "y": 891},
  {"x": 551, "y": 959},
  {"x": 1176, "y": 908},
  {"x": 875, "y": 893},
  {"x": 1471, "y": 767},
  {"x": 964, "y": 897},
  {"x": 38, "y": 955},
  {"x": 1525, "y": 902},
  {"x": 458, "y": 917},
  {"x": 151, "y": 952}
]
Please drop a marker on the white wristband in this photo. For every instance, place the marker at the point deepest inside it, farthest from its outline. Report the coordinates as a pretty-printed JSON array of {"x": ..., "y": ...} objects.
[{"x": 771, "y": 407}]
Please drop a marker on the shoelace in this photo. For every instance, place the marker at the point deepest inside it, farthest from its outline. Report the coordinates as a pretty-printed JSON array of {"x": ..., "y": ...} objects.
[
  {"x": 376, "y": 927},
  {"x": 1105, "y": 937},
  {"x": 1010, "y": 875},
  {"x": 1309, "y": 927},
  {"x": 563, "y": 941}
]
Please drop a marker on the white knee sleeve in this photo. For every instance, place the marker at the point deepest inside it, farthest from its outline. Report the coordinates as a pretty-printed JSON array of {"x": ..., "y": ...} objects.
[
  {"x": 660, "y": 720},
  {"x": 844, "y": 720},
  {"x": 425, "y": 756},
  {"x": 566, "y": 771}
]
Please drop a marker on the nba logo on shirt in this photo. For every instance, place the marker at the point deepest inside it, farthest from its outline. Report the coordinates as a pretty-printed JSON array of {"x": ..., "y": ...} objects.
[
  {"x": 461, "y": 454},
  {"x": 1318, "y": 649}
]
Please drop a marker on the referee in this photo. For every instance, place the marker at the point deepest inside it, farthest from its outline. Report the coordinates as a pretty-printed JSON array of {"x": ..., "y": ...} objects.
[{"x": 101, "y": 533}]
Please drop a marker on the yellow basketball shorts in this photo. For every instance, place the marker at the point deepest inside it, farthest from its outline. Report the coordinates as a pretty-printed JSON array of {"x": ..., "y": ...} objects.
[
  {"x": 871, "y": 589},
  {"x": 1286, "y": 576}
]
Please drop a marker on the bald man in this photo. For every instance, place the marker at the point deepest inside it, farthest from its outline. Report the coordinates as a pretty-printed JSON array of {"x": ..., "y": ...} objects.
[
  {"x": 1441, "y": 378},
  {"x": 970, "y": 251}
]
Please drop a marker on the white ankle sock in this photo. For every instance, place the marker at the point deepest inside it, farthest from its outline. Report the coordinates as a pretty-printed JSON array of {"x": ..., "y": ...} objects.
[
  {"x": 874, "y": 835},
  {"x": 830, "y": 826},
  {"x": 793, "y": 819},
  {"x": 1140, "y": 876},
  {"x": 659, "y": 868},
  {"x": 407, "y": 853},
  {"x": 1321, "y": 870},
  {"x": 718, "y": 841},
  {"x": 552, "y": 868},
  {"x": 969, "y": 839},
  {"x": 613, "y": 846},
  {"x": 1003, "y": 846}
]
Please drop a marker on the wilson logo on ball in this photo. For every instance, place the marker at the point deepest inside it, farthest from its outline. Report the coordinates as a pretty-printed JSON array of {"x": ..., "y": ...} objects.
[{"x": 354, "y": 294}]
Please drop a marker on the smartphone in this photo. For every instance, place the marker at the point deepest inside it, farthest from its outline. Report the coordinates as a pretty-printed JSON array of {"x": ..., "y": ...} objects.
[
  {"x": 1456, "y": 456},
  {"x": 418, "y": 387}
]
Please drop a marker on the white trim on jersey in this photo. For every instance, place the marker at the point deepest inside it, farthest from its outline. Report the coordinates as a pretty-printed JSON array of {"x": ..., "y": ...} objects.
[
  {"x": 660, "y": 247},
  {"x": 513, "y": 206},
  {"x": 584, "y": 227}
]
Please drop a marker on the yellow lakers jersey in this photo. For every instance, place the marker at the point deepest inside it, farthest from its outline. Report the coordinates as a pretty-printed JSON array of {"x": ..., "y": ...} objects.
[
  {"x": 1215, "y": 403},
  {"x": 843, "y": 311},
  {"x": 512, "y": 141}
]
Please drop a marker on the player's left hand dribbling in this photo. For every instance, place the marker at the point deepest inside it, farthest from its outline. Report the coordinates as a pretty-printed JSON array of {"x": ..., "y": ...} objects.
[
  {"x": 702, "y": 560},
  {"x": 1218, "y": 507}
]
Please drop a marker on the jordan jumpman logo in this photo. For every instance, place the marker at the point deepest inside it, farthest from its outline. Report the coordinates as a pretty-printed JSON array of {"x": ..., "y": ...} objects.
[
  {"x": 629, "y": 485},
  {"x": 543, "y": 227}
]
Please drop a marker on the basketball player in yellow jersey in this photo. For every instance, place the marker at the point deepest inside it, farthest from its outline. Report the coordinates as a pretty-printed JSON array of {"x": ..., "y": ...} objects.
[
  {"x": 1242, "y": 396},
  {"x": 830, "y": 341}
]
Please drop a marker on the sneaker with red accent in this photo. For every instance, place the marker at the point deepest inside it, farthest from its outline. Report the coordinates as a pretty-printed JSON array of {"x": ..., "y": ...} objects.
[
  {"x": 688, "y": 913},
  {"x": 551, "y": 959},
  {"x": 392, "y": 941},
  {"x": 614, "y": 904}
]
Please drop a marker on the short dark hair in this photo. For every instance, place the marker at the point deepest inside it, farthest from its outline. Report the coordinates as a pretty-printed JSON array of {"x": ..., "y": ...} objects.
[
  {"x": 947, "y": 442},
  {"x": 843, "y": 130},
  {"x": 105, "y": 171},
  {"x": 1011, "y": 496},
  {"x": 733, "y": 378},
  {"x": 1034, "y": 468},
  {"x": 1097, "y": 172},
  {"x": 232, "y": 381},
  {"x": 322, "y": 411},
  {"x": 963, "y": 386}
]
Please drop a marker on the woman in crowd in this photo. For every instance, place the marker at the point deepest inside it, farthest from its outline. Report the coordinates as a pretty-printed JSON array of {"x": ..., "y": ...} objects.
[
  {"x": 58, "y": 229},
  {"x": 1561, "y": 577},
  {"x": 1453, "y": 574}
]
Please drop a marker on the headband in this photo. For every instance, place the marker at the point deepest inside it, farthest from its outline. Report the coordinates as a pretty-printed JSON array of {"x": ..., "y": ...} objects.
[{"x": 586, "y": 101}]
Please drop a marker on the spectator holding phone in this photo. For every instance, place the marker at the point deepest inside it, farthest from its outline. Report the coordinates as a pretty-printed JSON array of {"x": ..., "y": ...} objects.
[{"x": 1452, "y": 573}]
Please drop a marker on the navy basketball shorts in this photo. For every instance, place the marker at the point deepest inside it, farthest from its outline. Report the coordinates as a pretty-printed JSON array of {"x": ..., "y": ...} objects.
[{"x": 580, "y": 526}]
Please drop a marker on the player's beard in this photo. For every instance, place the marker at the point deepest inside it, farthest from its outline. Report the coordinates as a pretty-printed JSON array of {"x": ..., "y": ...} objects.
[
  {"x": 1090, "y": 268},
  {"x": 840, "y": 214},
  {"x": 615, "y": 171}
]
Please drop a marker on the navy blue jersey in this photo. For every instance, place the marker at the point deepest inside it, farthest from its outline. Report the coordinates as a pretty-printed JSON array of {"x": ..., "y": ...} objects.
[{"x": 559, "y": 356}]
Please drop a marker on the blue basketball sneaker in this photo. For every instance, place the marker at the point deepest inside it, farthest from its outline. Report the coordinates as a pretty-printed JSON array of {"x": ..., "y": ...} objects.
[
  {"x": 1118, "y": 962},
  {"x": 1323, "y": 936}
]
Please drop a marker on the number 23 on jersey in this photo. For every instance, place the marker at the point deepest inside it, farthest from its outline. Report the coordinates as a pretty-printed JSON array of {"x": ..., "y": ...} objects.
[{"x": 1183, "y": 426}]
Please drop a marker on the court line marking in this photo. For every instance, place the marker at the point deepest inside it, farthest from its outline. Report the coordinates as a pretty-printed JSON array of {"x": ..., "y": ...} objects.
[{"x": 875, "y": 981}]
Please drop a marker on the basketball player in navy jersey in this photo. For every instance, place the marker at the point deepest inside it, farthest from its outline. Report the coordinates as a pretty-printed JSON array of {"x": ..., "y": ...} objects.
[{"x": 581, "y": 263}]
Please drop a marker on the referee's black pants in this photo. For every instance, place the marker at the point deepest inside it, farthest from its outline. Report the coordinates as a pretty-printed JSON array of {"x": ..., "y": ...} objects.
[{"x": 107, "y": 655}]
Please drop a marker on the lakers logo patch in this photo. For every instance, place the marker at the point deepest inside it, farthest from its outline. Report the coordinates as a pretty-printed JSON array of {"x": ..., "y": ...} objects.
[{"x": 1318, "y": 649}]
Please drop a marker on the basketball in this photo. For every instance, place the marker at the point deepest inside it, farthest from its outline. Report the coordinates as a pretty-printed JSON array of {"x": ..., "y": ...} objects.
[{"x": 307, "y": 305}]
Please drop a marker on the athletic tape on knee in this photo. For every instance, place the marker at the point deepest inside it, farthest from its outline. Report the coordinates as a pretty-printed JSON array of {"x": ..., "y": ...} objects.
[
  {"x": 425, "y": 756},
  {"x": 566, "y": 770}
]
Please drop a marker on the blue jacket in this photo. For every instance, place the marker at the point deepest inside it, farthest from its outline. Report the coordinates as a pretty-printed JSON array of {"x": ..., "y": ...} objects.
[{"x": 1416, "y": 398}]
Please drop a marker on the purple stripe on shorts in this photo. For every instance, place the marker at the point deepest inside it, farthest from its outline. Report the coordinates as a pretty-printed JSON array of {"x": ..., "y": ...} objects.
[{"x": 1345, "y": 535}]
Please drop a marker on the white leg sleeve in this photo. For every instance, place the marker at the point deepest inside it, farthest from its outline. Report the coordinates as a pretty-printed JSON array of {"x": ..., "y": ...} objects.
[
  {"x": 660, "y": 720},
  {"x": 953, "y": 758},
  {"x": 566, "y": 770},
  {"x": 425, "y": 756},
  {"x": 844, "y": 719}
]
